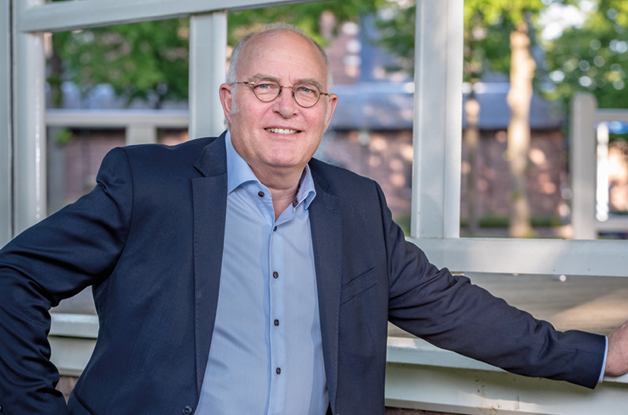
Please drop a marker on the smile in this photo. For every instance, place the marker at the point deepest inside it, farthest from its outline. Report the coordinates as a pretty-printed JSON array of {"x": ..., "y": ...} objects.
[{"x": 281, "y": 130}]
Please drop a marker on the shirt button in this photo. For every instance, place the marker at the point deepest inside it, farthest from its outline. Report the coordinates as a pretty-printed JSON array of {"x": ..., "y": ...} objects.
[
  {"x": 275, "y": 229},
  {"x": 187, "y": 410},
  {"x": 278, "y": 371},
  {"x": 260, "y": 193},
  {"x": 275, "y": 274},
  {"x": 276, "y": 322}
]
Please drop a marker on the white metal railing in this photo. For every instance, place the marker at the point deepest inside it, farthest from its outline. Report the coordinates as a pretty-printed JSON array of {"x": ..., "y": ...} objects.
[
  {"x": 140, "y": 125},
  {"x": 589, "y": 168}
]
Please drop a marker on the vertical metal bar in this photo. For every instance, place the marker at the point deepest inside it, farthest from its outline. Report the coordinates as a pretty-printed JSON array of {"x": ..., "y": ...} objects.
[
  {"x": 453, "y": 123},
  {"x": 29, "y": 106},
  {"x": 601, "y": 193},
  {"x": 6, "y": 158},
  {"x": 582, "y": 165},
  {"x": 208, "y": 55},
  {"x": 437, "y": 119}
]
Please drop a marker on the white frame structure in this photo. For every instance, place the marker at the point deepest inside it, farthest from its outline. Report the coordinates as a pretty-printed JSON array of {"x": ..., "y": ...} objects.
[
  {"x": 589, "y": 167},
  {"x": 418, "y": 376}
]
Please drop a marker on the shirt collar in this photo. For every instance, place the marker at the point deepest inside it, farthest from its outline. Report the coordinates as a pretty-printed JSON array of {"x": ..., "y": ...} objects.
[{"x": 239, "y": 173}]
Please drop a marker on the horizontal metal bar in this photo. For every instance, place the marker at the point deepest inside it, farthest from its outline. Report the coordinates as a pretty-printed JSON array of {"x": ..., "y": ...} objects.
[
  {"x": 72, "y": 15},
  {"x": 70, "y": 355},
  {"x": 617, "y": 224},
  {"x": 529, "y": 256},
  {"x": 479, "y": 392},
  {"x": 608, "y": 115},
  {"x": 74, "y": 325},
  {"x": 415, "y": 351},
  {"x": 117, "y": 118}
]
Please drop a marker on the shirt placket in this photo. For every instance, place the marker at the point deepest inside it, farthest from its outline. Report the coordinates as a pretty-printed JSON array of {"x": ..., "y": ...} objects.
[{"x": 278, "y": 370}]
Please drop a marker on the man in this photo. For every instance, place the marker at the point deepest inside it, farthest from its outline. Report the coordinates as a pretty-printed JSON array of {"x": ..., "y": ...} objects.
[{"x": 287, "y": 267}]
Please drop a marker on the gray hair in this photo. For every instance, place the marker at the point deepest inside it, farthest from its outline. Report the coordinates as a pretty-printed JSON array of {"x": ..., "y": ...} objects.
[{"x": 235, "y": 55}]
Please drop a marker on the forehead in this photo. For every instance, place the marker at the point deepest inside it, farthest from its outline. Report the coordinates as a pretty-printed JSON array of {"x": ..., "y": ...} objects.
[{"x": 283, "y": 54}]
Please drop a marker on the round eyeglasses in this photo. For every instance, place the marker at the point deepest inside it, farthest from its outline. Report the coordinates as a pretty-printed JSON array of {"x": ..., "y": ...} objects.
[{"x": 267, "y": 90}]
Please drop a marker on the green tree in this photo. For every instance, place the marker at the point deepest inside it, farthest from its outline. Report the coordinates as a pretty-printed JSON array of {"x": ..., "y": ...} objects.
[
  {"x": 498, "y": 37},
  {"x": 593, "y": 58},
  {"x": 149, "y": 60}
]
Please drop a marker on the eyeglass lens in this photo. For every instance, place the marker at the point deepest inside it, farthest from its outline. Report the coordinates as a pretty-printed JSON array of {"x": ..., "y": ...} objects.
[{"x": 306, "y": 95}]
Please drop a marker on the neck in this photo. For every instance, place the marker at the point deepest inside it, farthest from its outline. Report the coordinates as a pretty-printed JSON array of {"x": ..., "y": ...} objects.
[{"x": 283, "y": 187}]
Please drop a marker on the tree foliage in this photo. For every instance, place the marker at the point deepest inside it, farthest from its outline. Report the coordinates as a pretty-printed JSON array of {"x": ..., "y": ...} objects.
[
  {"x": 593, "y": 58},
  {"x": 149, "y": 61},
  {"x": 146, "y": 61},
  {"x": 488, "y": 24}
]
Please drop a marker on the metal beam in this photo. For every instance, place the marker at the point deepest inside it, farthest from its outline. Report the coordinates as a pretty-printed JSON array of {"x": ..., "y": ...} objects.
[
  {"x": 437, "y": 119},
  {"x": 481, "y": 392},
  {"x": 116, "y": 118},
  {"x": 582, "y": 165},
  {"x": 529, "y": 256},
  {"x": 72, "y": 15},
  {"x": 208, "y": 61},
  {"x": 29, "y": 105},
  {"x": 5, "y": 123}
]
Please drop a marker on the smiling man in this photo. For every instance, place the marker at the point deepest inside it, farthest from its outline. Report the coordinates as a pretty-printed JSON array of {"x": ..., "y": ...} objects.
[{"x": 237, "y": 275}]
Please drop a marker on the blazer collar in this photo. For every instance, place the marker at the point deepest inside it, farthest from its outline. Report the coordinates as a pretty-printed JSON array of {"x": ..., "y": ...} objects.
[
  {"x": 213, "y": 159},
  {"x": 209, "y": 197},
  {"x": 326, "y": 229}
]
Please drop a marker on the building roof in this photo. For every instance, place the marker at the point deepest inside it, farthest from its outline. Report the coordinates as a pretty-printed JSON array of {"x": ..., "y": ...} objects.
[{"x": 390, "y": 106}]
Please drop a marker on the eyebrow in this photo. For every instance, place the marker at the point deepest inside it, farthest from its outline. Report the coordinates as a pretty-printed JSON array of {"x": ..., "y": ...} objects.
[{"x": 313, "y": 81}]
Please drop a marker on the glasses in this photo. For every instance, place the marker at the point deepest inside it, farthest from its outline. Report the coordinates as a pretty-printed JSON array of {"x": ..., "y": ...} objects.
[{"x": 267, "y": 90}]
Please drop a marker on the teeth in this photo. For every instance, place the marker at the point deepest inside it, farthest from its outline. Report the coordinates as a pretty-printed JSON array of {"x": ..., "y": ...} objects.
[{"x": 281, "y": 131}]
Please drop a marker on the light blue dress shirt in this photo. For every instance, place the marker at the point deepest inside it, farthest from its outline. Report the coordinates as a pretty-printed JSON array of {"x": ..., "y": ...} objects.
[{"x": 266, "y": 355}]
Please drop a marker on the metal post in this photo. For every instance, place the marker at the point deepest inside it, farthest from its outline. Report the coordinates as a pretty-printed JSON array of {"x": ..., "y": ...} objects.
[
  {"x": 28, "y": 120},
  {"x": 208, "y": 55},
  {"x": 437, "y": 119},
  {"x": 582, "y": 165},
  {"x": 5, "y": 123},
  {"x": 602, "y": 197}
]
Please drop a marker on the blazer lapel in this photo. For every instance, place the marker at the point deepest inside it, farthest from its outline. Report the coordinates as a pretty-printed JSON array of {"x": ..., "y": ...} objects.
[
  {"x": 209, "y": 195},
  {"x": 326, "y": 228}
]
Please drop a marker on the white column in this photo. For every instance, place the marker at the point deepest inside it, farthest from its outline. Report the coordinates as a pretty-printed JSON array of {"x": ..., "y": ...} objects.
[
  {"x": 437, "y": 119},
  {"x": 5, "y": 123},
  {"x": 601, "y": 192},
  {"x": 208, "y": 57},
  {"x": 28, "y": 119},
  {"x": 582, "y": 165}
]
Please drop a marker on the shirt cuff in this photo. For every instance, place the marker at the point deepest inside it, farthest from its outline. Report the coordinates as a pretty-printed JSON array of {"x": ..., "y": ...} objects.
[{"x": 603, "y": 362}]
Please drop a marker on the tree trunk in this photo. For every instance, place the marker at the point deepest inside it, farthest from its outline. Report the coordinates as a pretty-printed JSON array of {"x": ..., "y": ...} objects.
[
  {"x": 521, "y": 74},
  {"x": 471, "y": 137}
]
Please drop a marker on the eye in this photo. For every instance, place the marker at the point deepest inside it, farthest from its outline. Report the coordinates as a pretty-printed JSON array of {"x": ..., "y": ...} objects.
[
  {"x": 307, "y": 89},
  {"x": 265, "y": 85}
]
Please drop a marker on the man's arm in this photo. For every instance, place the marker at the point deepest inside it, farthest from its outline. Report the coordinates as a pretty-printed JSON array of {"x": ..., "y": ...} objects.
[
  {"x": 617, "y": 358},
  {"x": 450, "y": 312},
  {"x": 48, "y": 262}
]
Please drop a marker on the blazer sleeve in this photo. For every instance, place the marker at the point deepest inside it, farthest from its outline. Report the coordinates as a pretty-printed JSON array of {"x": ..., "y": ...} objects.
[
  {"x": 450, "y": 312},
  {"x": 55, "y": 259}
]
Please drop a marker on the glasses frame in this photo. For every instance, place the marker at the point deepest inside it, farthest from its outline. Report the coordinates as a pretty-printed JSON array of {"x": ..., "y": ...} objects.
[{"x": 281, "y": 87}]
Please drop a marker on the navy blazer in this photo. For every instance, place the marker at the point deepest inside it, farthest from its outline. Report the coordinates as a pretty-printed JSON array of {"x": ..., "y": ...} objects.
[{"x": 149, "y": 240}]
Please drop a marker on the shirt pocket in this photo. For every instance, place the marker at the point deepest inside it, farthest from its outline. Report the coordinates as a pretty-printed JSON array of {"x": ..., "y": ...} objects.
[{"x": 357, "y": 285}]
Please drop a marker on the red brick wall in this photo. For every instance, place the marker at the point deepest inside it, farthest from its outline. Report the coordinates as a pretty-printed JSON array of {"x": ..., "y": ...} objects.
[{"x": 387, "y": 159}]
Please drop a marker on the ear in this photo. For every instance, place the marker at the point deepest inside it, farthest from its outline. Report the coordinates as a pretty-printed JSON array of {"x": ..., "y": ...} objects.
[
  {"x": 225, "y": 100},
  {"x": 333, "y": 101}
]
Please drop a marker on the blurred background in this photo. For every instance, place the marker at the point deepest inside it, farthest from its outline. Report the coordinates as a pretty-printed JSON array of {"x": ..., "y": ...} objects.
[{"x": 523, "y": 62}]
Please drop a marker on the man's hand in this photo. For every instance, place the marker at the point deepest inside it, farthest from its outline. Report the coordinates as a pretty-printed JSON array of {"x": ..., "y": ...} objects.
[{"x": 617, "y": 358}]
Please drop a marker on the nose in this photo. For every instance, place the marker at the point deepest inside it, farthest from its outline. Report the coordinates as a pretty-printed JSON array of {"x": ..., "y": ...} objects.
[{"x": 285, "y": 103}]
